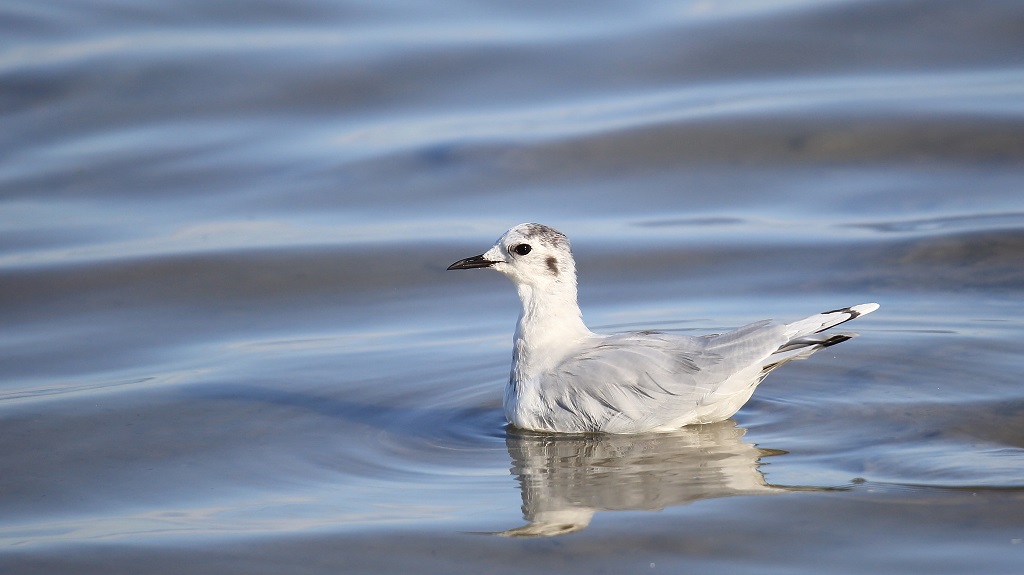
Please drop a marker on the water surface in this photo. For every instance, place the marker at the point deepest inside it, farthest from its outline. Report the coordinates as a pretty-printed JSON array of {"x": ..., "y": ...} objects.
[{"x": 228, "y": 342}]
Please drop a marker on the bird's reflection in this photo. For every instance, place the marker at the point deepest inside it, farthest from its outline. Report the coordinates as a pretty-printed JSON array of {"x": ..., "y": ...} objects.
[{"x": 565, "y": 479}]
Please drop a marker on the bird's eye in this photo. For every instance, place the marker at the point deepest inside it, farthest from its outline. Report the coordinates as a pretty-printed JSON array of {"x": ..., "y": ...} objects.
[{"x": 522, "y": 249}]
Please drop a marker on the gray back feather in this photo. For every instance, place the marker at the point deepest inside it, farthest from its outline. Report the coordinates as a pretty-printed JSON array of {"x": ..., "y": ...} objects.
[{"x": 638, "y": 381}]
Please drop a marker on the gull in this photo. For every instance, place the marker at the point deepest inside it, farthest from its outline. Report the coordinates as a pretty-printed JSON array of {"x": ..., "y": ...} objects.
[{"x": 568, "y": 379}]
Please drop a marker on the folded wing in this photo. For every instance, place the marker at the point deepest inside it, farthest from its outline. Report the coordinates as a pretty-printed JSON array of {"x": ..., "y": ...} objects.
[{"x": 647, "y": 381}]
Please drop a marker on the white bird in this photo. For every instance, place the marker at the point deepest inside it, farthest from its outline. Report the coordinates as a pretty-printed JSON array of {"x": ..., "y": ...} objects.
[{"x": 566, "y": 378}]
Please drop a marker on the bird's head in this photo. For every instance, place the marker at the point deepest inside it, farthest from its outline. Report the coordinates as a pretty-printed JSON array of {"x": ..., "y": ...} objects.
[{"x": 530, "y": 254}]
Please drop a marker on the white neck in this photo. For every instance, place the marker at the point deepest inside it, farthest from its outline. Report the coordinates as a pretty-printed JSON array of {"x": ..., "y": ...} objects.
[{"x": 550, "y": 327}]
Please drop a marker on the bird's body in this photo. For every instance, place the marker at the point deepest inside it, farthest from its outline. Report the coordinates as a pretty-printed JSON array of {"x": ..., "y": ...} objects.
[{"x": 566, "y": 378}]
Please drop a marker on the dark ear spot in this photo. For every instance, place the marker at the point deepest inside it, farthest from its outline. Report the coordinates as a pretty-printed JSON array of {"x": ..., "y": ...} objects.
[{"x": 552, "y": 264}]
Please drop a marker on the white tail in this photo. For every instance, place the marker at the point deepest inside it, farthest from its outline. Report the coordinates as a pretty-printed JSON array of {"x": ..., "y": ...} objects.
[
  {"x": 805, "y": 335},
  {"x": 822, "y": 321}
]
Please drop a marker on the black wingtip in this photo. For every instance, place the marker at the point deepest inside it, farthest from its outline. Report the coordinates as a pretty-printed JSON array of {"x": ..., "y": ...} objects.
[
  {"x": 838, "y": 338},
  {"x": 852, "y": 312}
]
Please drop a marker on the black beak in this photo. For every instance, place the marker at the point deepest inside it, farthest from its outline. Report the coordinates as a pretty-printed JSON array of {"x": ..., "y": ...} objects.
[{"x": 472, "y": 263}]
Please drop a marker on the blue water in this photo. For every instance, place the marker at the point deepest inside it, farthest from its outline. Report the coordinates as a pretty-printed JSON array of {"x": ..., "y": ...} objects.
[{"x": 228, "y": 343}]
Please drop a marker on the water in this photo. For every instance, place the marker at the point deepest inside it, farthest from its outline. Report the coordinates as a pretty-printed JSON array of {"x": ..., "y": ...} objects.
[{"x": 228, "y": 342}]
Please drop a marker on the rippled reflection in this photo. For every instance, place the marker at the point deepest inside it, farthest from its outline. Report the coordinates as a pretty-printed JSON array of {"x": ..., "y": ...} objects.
[{"x": 566, "y": 479}]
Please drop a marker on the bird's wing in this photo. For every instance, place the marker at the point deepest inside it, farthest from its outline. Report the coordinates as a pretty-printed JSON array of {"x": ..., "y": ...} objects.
[{"x": 642, "y": 381}]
